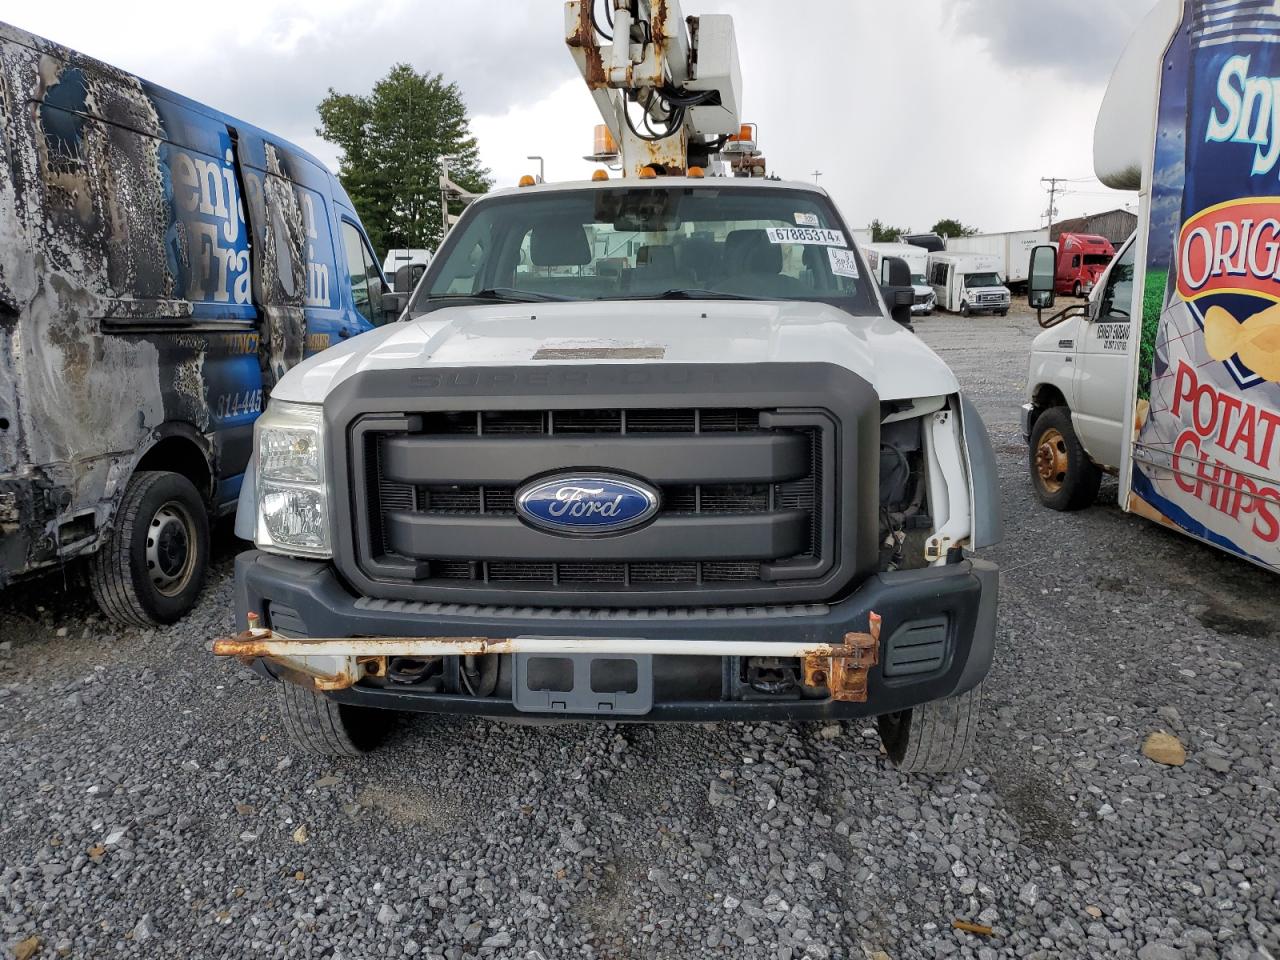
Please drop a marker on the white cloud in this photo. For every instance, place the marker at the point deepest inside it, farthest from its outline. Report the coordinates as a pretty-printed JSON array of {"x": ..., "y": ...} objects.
[{"x": 911, "y": 111}]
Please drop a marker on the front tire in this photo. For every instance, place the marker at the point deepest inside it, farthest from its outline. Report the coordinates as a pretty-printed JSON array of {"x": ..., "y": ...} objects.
[
  {"x": 1077, "y": 291},
  {"x": 1003, "y": 313},
  {"x": 151, "y": 567},
  {"x": 1063, "y": 475},
  {"x": 321, "y": 726},
  {"x": 964, "y": 310},
  {"x": 936, "y": 737}
]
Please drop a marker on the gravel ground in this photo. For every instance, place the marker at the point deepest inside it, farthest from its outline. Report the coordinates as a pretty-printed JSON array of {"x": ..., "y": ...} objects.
[{"x": 150, "y": 806}]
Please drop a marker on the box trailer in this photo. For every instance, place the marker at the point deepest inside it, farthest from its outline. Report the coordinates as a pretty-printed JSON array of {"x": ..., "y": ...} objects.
[{"x": 1012, "y": 249}]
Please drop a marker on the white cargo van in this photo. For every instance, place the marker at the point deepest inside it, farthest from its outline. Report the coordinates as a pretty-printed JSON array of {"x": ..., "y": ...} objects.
[
  {"x": 966, "y": 283},
  {"x": 917, "y": 258}
]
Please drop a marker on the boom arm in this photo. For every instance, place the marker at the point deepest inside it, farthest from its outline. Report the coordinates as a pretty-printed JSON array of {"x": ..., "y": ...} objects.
[{"x": 668, "y": 90}]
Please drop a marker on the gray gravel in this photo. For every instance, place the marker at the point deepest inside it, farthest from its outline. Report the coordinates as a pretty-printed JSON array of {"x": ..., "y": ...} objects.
[{"x": 150, "y": 806}]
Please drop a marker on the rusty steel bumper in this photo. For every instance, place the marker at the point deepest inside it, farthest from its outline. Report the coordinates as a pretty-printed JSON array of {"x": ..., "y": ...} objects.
[{"x": 853, "y": 656}]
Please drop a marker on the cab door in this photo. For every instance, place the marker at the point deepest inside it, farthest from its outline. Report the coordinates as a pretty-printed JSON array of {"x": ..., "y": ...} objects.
[{"x": 1102, "y": 363}]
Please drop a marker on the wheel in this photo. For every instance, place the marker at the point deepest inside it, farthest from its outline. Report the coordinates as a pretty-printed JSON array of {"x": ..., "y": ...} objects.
[
  {"x": 1003, "y": 313},
  {"x": 1077, "y": 290},
  {"x": 1061, "y": 472},
  {"x": 964, "y": 310},
  {"x": 151, "y": 567},
  {"x": 934, "y": 738},
  {"x": 322, "y": 726}
]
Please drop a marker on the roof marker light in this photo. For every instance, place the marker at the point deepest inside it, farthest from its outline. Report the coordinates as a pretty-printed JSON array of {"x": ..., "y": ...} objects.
[{"x": 527, "y": 181}]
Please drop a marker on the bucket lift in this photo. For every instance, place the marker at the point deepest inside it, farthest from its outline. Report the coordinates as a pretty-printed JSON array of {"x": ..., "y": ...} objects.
[{"x": 668, "y": 88}]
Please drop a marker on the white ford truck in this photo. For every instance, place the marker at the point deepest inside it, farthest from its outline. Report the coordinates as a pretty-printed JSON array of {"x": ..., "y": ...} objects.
[{"x": 649, "y": 448}]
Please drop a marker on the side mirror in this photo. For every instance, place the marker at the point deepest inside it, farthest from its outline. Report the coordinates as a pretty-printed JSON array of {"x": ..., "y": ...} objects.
[
  {"x": 393, "y": 304},
  {"x": 1040, "y": 277},
  {"x": 898, "y": 292}
]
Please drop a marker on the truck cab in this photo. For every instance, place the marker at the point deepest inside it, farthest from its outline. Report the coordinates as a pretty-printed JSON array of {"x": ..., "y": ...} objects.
[
  {"x": 1082, "y": 258},
  {"x": 967, "y": 283},
  {"x": 1073, "y": 415}
]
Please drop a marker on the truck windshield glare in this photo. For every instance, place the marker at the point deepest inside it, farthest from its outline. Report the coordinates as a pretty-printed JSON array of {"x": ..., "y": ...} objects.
[{"x": 709, "y": 242}]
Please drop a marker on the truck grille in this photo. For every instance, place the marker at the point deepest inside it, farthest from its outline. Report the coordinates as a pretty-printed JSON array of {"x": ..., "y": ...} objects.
[{"x": 439, "y": 500}]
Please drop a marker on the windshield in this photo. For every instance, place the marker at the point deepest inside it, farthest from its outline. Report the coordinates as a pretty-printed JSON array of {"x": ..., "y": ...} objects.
[
  {"x": 1097, "y": 259},
  {"x": 704, "y": 242},
  {"x": 983, "y": 280},
  {"x": 918, "y": 280}
]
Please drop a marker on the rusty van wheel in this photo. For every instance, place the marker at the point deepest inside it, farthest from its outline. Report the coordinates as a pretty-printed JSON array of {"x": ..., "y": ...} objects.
[
  {"x": 152, "y": 565},
  {"x": 1063, "y": 475}
]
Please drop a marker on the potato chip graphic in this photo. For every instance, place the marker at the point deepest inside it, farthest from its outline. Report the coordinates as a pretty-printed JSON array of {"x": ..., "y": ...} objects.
[{"x": 1256, "y": 341}]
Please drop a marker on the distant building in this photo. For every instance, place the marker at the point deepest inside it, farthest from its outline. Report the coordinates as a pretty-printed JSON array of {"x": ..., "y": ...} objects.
[{"x": 1115, "y": 225}]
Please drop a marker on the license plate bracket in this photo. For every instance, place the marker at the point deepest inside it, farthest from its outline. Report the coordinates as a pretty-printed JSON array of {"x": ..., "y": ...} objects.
[{"x": 601, "y": 684}]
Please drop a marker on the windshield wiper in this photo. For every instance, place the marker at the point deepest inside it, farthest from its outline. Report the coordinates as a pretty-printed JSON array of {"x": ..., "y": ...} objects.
[
  {"x": 506, "y": 295},
  {"x": 686, "y": 293}
]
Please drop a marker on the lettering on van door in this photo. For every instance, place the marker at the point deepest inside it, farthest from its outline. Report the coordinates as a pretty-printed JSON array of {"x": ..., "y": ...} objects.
[
  {"x": 217, "y": 242},
  {"x": 1113, "y": 336},
  {"x": 317, "y": 269}
]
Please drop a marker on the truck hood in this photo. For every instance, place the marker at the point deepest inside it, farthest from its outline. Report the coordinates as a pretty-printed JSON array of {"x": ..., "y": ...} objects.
[{"x": 890, "y": 357}]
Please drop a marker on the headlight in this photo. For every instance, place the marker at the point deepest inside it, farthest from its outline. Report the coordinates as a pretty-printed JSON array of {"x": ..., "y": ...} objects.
[{"x": 293, "y": 502}]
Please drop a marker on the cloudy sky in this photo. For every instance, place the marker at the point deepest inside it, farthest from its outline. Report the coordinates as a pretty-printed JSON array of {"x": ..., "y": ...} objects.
[{"x": 912, "y": 109}]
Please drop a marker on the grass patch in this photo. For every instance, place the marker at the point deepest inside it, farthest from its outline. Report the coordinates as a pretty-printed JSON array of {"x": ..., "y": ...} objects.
[{"x": 1152, "y": 307}]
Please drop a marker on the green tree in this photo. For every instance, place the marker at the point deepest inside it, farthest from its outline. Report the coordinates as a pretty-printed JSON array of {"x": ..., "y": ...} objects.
[
  {"x": 953, "y": 228},
  {"x": 392, "y": 141},
  {"x": 882, "y": 233}
]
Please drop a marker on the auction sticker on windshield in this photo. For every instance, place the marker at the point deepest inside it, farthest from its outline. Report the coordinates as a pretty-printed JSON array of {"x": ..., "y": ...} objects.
[
  {"x": 843, "y": 262},
  {"x": 808, "y": 220},
  {"x": 814, "y": 235}
]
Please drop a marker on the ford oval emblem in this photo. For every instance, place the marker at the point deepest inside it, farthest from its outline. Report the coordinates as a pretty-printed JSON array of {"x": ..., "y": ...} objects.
[{"x": 586, "y": 504}]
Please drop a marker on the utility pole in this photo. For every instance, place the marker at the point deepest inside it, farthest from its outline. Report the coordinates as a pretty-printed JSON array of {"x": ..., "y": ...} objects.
[
  {"x": 1053, "y": 191},
  {"x": 542, "y": 168},
  {"x": 816, "y": 175}
]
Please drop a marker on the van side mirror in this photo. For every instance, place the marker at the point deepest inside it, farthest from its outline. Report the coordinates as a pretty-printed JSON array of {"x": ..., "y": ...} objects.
[
  {"x": 1040, "y": 277},
  {"x": 393, "y": 304},
  {"x": 897, "y": 290}
]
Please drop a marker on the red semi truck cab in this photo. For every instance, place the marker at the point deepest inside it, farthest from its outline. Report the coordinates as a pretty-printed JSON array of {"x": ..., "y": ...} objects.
[{"x": 1082, "y": 258}]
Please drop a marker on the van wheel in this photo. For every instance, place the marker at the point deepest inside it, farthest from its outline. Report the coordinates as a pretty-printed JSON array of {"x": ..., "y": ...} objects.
[
  {"x": 1003, "y": 313},
  {"x": 964, "y": 310},
  {"x": 318, "y": 725},
  {"x": 935, "y": 737},
  {"x": 152, "y": 565},
  {"x": 1061, "y": 472}
]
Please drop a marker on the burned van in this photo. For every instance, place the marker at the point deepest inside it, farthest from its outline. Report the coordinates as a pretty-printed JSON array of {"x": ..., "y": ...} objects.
[{"x": 161, "y": 266}]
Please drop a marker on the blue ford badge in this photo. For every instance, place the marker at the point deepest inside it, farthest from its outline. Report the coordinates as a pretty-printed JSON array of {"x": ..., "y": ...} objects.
[{"x": 586, "y": 504}]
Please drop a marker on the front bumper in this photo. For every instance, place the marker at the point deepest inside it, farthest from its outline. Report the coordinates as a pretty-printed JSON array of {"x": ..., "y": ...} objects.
[{"x": 936, "y": 639}]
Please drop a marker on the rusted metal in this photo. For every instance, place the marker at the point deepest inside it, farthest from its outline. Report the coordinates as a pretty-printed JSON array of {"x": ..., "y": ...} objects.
[
  {"x": 263, "y": 642},
  {"x": 339, "y": 662},
  {"x": 844, "y": 670},
  {"x": 582, "y": 37}
]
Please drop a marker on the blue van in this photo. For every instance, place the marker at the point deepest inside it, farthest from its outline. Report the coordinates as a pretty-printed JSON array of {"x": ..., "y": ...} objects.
[{"x": 161, "y": 266}]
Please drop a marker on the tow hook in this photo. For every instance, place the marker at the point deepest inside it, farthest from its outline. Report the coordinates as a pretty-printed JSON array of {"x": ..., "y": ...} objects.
[{"x": 845, "y": 670}]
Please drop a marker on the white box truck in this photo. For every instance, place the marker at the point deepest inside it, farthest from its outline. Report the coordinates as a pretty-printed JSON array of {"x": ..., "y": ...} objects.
[
  {"x": 1011, "y": 249},
  {"x": 967, "y": 283},
  {"x": 1170, "y": 375}
]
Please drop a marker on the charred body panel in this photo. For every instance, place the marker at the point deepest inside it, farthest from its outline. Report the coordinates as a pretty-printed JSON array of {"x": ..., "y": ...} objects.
[{"x": 146, "y": 308}]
